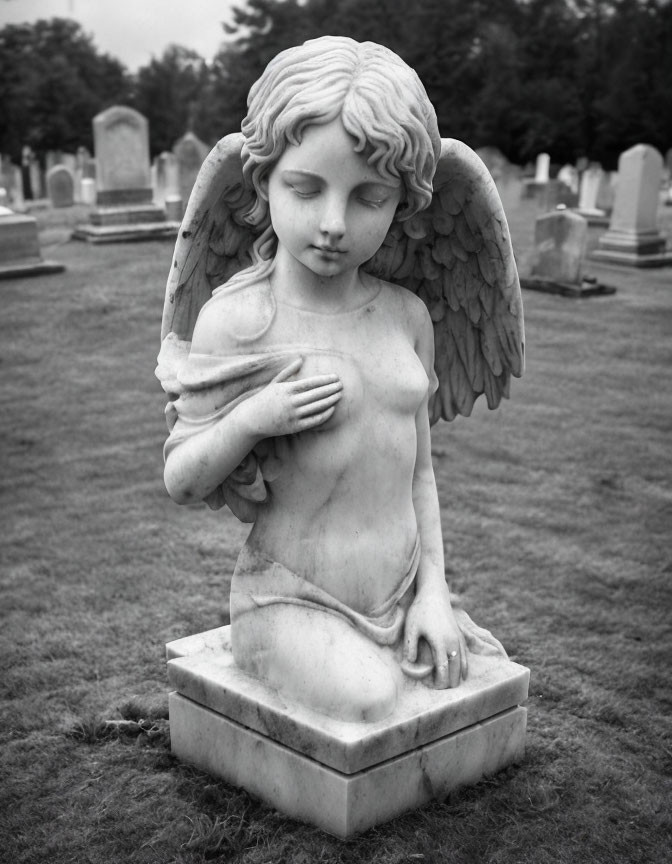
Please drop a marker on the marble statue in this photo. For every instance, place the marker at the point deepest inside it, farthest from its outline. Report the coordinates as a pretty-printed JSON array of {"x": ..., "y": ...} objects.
[{"x": 343, "y": 278}]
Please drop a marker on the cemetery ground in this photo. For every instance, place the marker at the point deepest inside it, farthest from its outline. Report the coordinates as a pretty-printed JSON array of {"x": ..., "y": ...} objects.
[{"x": 556, "y": 511}]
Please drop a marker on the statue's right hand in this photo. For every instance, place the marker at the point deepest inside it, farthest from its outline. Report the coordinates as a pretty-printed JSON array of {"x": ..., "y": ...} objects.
[{"x": 285, "y": 407}]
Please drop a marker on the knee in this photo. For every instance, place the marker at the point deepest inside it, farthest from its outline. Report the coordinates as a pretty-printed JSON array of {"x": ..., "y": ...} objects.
[{"x": 369, "y": 695}]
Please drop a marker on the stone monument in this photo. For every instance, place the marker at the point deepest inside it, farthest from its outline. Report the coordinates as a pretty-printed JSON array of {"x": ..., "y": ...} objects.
[
  {"x": 594, "y": 188},
  {"x": 560, "y": 241},
  {"x": 61, "y": 186},
  {"x": 125, "y": 209},
  {"x": 536, "y": 186},
  {"x": 190, "y": 153},
  {"x": 20, "y": 247},
  {"x": 330, "y": 297},
  {"x": 634, "y": 238}
]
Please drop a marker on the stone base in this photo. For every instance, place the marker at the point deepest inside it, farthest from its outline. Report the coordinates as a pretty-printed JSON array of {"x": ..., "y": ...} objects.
[
  {"x": 586, "y": 288},
  {"x": 126, "y": 233},
  {"x": 633, "y": 259},
  {"x": 342, "y": 776},
  {"x": 342, "y": 804},
  {"x": 633, "y": 249},
  {"x": 593, "y": 216},
  {"x": 19, "y": 269},
  {"x": 135, "y": 215}
]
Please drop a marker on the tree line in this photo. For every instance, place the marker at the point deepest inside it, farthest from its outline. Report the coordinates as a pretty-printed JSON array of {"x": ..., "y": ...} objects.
[{"x": 574, "y": 78}]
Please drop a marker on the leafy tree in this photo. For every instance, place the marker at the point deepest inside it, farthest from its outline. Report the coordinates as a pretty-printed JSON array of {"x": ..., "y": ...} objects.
[
  {"x": 167, "y": 92},
  {"x": 52, "y": 83}
]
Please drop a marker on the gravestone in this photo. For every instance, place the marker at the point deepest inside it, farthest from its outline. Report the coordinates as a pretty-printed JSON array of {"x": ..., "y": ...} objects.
[
  {"x": 20, "y": 248},
  {"x": 560, "y": 241},
  {"x": 569, "y": 176},
  {"x": 165, "y": 177},
  {"x": 125, "y": 209},
  {"x": 634, "y": 238},
  {"x": 190, "y": 152},
  {"x": 61, "y": 186},
  {"x": 87, "y": 191},
  {"x": 542, "y": 169},
  {"x": 593, "y": 181},
  {"x": 537, "y": 186}
]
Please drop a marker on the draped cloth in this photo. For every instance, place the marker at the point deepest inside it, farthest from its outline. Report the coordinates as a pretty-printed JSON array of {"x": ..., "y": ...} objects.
[
  {"x": 260, "y": 581},
  {"x": 205, "y": 388}
]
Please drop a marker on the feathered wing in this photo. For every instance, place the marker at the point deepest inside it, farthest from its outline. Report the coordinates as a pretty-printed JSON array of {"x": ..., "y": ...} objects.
[
  {"x": 213, "y": 244},
  {"x": 457, "y": 256}
]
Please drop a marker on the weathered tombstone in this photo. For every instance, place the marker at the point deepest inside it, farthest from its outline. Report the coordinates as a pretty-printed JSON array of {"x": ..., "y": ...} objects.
[
  {"x": 634, "y": 238},
  {"x": 190, "y": 152},
  {"x": 15, "y": 189},
  {"x": 87, "y": 191},
  {"x": 165, "y": 177},
  {"x": 61, "y": 186},
  {"x": 533, "y": 188},
  {"x": 543, "y": 165},
  {"x": 125, "y": 210},
  {"x": 36, "y": 177},
  {"x": 569, "y": 176},
  {"x": 20, "y": 247},
  {"x": 593, "y": 181},
  {"x": 560, "y": 241}
]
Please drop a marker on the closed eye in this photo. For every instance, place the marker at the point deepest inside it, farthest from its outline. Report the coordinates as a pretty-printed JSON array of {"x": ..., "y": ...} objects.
[
  {"x": 303, "y": 192},
  {"x": 375, "y": 194}
]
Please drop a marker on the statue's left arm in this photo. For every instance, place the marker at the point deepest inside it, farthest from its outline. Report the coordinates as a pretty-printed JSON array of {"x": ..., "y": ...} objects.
[{"x": 430, "y": 616}]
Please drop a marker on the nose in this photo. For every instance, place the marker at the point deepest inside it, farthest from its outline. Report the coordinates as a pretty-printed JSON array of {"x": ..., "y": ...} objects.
[{"x": 332, "y": 218}]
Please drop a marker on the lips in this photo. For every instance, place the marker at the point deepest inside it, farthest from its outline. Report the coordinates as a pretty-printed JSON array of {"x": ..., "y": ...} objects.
[{"x": 329, "y": 250}]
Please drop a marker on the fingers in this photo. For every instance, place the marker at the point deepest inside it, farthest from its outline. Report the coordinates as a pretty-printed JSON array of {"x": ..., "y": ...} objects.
[
  {"x": 449, "y": 667},
  {"x": 411, "y": 642},
  {"x": 305, "y": 423},
  {"x": 289, "y": 370},
  {"x": 312, "y": 408},
  {"x": 316, "y": 394},
  {"x": 315, "y": 382}
]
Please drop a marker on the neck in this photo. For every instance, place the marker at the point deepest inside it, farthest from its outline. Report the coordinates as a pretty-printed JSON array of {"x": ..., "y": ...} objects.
[{"x": 297, "y": 285}]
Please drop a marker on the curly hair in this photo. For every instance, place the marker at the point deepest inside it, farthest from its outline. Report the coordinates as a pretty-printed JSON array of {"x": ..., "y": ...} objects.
[{"x": 379, "y": 98}]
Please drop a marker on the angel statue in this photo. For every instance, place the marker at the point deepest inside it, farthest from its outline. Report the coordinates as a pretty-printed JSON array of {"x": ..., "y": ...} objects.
[{"x": 342, "y": 279}]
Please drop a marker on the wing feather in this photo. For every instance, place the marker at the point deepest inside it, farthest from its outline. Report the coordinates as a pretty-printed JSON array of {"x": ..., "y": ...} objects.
[
  {"x": 457, "y": 257},
  {"x": 214, "y": 240}
]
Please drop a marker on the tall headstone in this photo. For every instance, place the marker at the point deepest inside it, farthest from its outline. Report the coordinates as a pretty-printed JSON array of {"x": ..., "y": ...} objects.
[
  {"x": 61, "y": 186},
  {"x": 537, "y": 187},
  {"x": 125, "y": 209},
  {"x": 593, "y": 183},
  {"x": 190, "y": 152},
  {"x": 634, "y": 237},
  {"x": 121, "y": 144},
  {"x": 165, "y": 176},
  {"x": 20, "y": 248},
  {"x": 542, "y": 168}
]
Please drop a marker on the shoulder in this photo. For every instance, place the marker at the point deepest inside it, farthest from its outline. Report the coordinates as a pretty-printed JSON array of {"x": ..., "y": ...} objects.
[
  {"x": 237, "y": 314},
  {"x": 410, "y": 307}
]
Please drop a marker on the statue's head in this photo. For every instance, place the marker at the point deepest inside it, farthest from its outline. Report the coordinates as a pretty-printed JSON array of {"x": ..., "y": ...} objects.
[{"x": 379, "y": 98}]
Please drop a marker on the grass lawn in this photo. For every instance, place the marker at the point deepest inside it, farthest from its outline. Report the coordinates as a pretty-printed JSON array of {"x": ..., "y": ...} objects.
[{"x": 557, "y": 515}]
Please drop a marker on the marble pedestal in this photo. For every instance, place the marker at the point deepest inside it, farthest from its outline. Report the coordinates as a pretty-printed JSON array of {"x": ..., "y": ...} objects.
[
  {"x": 633, "y": 248},
  {"x": 20, "y": 248},
  {"x": 126, "y": 215},
  {"x": 340, "y": 776}
]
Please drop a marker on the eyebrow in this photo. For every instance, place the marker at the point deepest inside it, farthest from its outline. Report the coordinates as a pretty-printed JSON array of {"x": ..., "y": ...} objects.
[{"x": 312, "y": 175}]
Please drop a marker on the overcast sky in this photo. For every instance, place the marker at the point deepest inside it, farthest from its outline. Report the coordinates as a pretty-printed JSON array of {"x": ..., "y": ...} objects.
[{"x": 134, "y": 30}]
